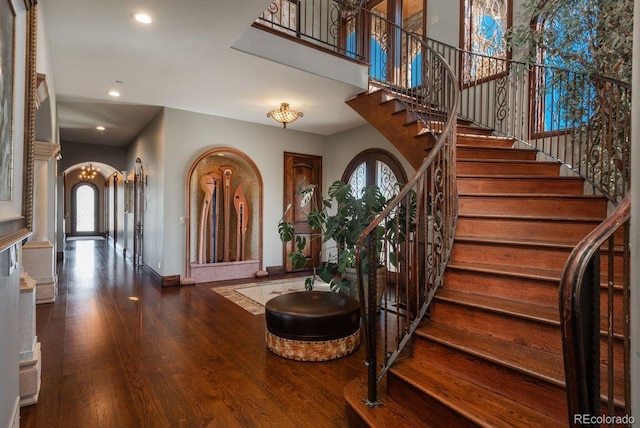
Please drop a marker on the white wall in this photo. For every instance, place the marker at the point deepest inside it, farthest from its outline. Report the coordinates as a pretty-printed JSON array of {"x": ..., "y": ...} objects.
[
  {"x": 75, "y": 153},
  {"x": 443, "y": 21},
  {"x": 149, "y": 147}
]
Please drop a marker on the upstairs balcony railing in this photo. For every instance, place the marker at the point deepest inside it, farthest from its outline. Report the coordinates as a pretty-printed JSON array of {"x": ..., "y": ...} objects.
[{"x": 581, "y": 120}]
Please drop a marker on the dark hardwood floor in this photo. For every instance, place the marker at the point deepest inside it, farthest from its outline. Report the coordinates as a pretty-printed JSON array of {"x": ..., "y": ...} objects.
[{"x": 176, "y": 357}]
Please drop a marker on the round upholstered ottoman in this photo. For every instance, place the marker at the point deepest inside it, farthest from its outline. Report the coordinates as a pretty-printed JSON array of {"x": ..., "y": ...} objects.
[{"x": 312, "y": 325}]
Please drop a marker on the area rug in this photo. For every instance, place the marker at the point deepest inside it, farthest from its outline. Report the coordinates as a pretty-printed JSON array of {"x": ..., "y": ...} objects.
[{"x": 253, "y": 296}]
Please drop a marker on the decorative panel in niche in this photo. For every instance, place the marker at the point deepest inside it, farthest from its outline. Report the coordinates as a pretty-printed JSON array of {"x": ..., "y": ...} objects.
[{"x": 224, "y": 205}]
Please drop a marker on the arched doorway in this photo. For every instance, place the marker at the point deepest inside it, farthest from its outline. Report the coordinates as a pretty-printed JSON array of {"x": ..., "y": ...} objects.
[
  {"x": 89, "y": 191},
  {"x": 85, "y": 209},
  {"x": 375, "y": 166}
]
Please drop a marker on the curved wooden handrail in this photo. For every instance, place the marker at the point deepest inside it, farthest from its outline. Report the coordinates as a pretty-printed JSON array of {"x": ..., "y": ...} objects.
[{"x": 583, "y": 398}]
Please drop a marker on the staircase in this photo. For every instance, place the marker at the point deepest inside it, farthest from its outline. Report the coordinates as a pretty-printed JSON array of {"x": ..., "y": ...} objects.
[{"x": 490, "y": 352}]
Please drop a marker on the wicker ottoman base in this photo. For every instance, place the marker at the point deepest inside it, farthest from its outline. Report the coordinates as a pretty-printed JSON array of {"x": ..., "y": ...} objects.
[{"x": 304, "y": 350}]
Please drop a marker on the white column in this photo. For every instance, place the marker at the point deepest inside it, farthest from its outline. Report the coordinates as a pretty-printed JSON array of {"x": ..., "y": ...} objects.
[
  {"x": 39, "y": 253},
  {"x": 30, "y": 362}
]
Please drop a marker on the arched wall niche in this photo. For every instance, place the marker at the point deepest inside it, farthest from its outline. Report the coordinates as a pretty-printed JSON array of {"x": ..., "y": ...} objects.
[{"x": 241, "y": 261}]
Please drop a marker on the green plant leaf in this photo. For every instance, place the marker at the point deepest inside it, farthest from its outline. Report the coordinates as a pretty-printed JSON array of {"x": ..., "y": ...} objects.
[
  {"x": 326, "y": 273},
  {"x": 301, "y": 242},
  {"x": 297, "y": 259},
  {"x": 286, "y": 231},
  {"x": 342, "y": 286},
  {"x": 308, "y": 283}
]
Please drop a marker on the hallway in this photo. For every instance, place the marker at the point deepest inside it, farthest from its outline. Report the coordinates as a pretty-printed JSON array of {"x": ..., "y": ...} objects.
[{"x": 119, "y": 351}]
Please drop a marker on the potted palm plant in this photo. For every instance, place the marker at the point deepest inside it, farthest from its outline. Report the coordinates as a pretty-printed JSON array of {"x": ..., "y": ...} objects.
[{"x": 338, "y": 219}]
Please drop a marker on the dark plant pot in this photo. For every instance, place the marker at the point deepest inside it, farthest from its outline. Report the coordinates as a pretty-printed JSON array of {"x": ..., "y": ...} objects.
[{"x": 381, "y": 284}]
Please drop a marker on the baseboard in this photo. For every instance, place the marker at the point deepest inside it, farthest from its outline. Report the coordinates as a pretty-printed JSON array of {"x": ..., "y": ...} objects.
[
  {"x": 155, "y": 276},
  {"x": 170, "y": 281},
  {"x": 276, "y": 270}
]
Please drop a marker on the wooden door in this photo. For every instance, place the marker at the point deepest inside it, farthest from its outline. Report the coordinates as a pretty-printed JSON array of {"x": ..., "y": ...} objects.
[{"x": 298, "y": 169}]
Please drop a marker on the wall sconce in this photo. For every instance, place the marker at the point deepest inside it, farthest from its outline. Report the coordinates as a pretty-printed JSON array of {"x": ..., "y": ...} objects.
[{"x": 284, "y": 114}]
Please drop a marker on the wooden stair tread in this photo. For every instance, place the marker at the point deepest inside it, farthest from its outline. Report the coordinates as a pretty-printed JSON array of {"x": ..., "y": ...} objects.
[
  {"x": 518, "y": 242},
  {"x": 492, "y": 149},
  {"x": 485, "y": 137},
  {"x": 522, "y": 272},
  {"x": 533, "y": 195},
  {"x": 518, "y": 271},
  {"x": 506, "y": 161},
  {"x": 519, "y": 177},
  {"x": 510, "y": 354},
  {"x": 390, "y": 414},
  {"x": 595, "y": 221},
  {"x": 545, "y": 314},
  {"x": 481, "y": 406}
]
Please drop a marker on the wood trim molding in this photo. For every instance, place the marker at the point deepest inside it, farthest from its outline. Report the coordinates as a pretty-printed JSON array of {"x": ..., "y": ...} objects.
[
  {"x": 162, "y": 281},
  {"x": 30, "y": 114},
  {"x": 170, "y": 281},
  {"x": 45, "y": 151}
]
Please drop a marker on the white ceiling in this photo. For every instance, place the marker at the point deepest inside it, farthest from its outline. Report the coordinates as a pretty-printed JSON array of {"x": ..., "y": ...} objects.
[{"x": 182, "y": 60}]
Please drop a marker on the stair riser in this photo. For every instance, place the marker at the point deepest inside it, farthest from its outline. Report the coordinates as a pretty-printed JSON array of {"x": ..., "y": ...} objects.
[
  {"x": 516, "y": 255},
  {"x": 506, "y": 255},
  {"x": 550, "y": 231},
  {"x": 506, "y": 168},
  {"x": 471, "y": 130},
  {"x": 430, "y": 409},
  {"x": 473, "y": 140},
  {"x": 531, "y": 333},
  {"x": 551, "y": 206},
  {"x": 534, "y": 291},
  {"x": 491, "y": 153},
  {"x": 515, "y": 185},
  {"x": 540, "y": 395}
]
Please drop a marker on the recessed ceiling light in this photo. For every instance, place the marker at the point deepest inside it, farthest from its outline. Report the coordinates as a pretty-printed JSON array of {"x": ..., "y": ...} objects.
[
  {"x": 142, "y": 18},
  {"x": 113, "y": 93},
  {"x": 100, "y": 128}
]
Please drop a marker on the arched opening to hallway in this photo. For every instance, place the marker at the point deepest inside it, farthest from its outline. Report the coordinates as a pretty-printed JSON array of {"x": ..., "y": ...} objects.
[
  {"x": 93, "y": 202},
  {"x": 85, "y": 209}
]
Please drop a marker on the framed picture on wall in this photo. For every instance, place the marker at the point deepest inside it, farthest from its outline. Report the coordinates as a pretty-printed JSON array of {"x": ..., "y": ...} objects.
[{"x": 7, "y": 47}]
